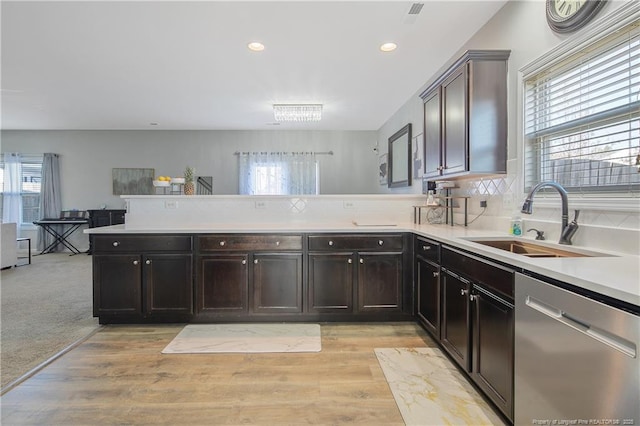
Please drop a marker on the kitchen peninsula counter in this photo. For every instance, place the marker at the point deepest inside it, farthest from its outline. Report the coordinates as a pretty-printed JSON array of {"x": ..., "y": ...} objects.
[{"x": 614, "y": 275}]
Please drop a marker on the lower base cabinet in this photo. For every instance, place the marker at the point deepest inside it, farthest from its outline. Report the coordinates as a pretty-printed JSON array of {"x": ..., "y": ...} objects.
[{"x": 142, "y": 278}]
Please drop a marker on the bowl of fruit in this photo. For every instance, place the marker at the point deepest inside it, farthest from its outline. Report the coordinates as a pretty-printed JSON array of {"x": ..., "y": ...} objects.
[{"x": 162, "y": 181}]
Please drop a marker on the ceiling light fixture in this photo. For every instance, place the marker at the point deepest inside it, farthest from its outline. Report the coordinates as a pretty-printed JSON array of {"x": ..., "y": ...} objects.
[
  {"x": 256, "y": 46},
  {"x": 297, "y": 112},
  {"x": 388, "y": 47}
]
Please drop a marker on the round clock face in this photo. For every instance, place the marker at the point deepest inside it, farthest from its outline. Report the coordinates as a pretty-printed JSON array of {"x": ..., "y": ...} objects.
[{"x": 565, "y": 16}]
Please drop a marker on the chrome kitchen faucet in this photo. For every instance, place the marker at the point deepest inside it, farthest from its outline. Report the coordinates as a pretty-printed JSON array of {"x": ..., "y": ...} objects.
[{"x": 568, "y": 229}]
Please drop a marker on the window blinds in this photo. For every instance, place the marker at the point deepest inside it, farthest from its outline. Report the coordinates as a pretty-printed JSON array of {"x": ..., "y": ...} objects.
[{"x": 582, "y": 118}]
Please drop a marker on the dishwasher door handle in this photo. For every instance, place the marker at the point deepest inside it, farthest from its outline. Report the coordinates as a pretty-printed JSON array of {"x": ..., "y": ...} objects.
[{"x": 616, "y": 342}]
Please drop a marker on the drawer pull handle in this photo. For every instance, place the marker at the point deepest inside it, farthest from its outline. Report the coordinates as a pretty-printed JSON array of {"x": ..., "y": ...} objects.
[
  {"x": 222, "y": 243},
  {"x": 349, "y": 261},
  {"x": 435, "y": 274},
  {"x": 361, "y": 260},
  {"x": 135, "y": 262},
  {"x": 148, "y": 262},
  {"x": 277, "y": 243},
  {"x": 244, "y": 261},
  {"x": 330, "y": 242},
  {"x": 425, "y": 248},
  {"x": 380, "y": 242},
  {"x": 116, "y": 243},
  {"x": 255, "y": 261}
]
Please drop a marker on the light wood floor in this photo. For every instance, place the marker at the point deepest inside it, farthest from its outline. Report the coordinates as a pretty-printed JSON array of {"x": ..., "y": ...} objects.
[{"x": 119, "y": 376}]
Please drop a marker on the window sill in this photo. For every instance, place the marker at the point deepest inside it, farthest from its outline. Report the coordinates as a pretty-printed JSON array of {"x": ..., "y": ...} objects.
[{"x": 595, "y": 204}]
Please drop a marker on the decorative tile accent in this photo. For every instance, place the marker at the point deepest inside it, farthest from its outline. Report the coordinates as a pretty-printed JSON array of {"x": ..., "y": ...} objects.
[{"x": 298, "y": 205}]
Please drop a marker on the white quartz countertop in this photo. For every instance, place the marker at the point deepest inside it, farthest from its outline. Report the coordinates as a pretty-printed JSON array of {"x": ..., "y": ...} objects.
[{"x": 612, "y": 274}]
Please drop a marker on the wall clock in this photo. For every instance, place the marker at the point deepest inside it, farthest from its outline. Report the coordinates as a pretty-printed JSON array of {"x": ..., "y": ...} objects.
[{"x": 564, "y": 16}]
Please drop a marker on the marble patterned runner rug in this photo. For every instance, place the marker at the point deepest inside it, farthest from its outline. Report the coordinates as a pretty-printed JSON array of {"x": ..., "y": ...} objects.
[
  {"x": 429, "y": 390},
  {"x": 251, "y": 338}
]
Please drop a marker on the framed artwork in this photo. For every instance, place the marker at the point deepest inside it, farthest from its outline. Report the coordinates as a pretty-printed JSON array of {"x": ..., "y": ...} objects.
[
  {"x": 382, "y": 170},
  {"x": 133, "y": 181},
  {"x": 418, "y": 156}
]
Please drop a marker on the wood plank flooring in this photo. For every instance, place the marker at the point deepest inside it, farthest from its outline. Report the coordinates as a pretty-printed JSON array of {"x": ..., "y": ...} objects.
[{"x": 119, "y": 376}]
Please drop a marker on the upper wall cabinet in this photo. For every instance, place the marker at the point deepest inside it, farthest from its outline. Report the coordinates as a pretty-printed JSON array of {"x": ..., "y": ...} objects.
[{"x": 465, "y": 117}]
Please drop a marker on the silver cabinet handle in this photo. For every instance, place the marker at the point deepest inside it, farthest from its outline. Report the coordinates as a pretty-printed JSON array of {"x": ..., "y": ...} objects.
[
  {"x": 361, "y": 260},
  {"x": 330, "y": 242},
  {"x": 135, "y": 262},
  {"x": 255, "y": 261},
  {"x": 277, "y": 243},
  {"x": 349, "y": 261},
  {"x": 244, "y": 261},
  {"x": 380, "y": 242},
  {"x": 116, "y": 243},
  {"x": 148, "y": 262},
  {"x": 472, "y": 297},
  {"x": 426, "y": 248},
  {"x": 463, "y": 292},
  {"x": 435, "y": 274},
  {"x": 222, "y": 243}
]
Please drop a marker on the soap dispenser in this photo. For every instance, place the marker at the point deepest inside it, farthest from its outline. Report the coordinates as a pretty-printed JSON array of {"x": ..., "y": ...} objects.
[{"x": 516, "y": 225}]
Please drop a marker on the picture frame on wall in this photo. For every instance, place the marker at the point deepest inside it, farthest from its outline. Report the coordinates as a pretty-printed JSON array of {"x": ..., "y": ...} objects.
[
  {"x": 383, "y": 169},
  {"x": 133, "y": 181}
]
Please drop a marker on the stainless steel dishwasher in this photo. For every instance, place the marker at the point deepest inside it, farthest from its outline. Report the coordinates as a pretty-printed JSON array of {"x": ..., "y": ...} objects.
[{"x": 576, "y": 359}]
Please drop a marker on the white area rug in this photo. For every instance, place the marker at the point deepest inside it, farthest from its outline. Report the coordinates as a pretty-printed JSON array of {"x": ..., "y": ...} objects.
[
  {"x": 429, "y": 390},
  {"x": 252, "y": 338}
]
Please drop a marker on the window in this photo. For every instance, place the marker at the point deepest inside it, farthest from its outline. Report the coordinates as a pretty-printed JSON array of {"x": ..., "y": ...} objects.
[
  {"x": 278, "y": 173},
  {"x": 582, "y": 117},
  {"x": 29, "y": 188}
]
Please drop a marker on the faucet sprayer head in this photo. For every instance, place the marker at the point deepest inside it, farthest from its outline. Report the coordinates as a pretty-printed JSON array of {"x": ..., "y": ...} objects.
[{"x": 527, "y": 207}]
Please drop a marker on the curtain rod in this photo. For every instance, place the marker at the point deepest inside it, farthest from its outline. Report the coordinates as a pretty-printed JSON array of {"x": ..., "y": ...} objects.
[{"x": 285, "y": 152}]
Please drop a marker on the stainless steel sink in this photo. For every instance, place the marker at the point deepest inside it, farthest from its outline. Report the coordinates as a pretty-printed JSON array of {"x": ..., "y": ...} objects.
[{"x": 530, "y": 249}]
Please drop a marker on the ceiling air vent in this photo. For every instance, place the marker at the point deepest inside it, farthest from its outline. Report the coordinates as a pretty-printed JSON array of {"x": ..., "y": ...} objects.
[{"x": 416, "y": 8}]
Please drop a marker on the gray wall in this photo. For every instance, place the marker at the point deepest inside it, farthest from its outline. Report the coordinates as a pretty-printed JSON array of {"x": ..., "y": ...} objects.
[
  {"x": 520, "y": 26},
  {"x": 87, "y": 157}
]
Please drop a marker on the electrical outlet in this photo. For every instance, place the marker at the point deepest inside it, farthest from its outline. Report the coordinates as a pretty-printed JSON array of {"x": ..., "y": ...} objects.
[
  {"x": 483, "y": 203},
  {"x": 348, "y": 204},
  {"x": 170, "y": 204},
  {"x": 261, "y": 205}
]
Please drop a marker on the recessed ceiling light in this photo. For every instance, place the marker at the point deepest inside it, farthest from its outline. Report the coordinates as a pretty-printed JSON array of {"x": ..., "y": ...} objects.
[
  {"x": 388, "y": 47},
  {"x": 256, "y": 46}
]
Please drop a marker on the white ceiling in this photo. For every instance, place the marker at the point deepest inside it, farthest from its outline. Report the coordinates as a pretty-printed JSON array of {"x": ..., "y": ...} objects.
[{"x": 185, "y": 65}]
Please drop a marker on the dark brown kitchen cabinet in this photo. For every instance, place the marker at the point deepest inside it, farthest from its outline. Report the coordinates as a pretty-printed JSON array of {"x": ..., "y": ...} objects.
[
  {"x": 277, "y": 283},
  {"x": 143, "y": 278},
  {"x": 427, "y": 264},
  {"x": 493, "y": 347},
  {"x": 357, "y": 273},
  {"x": 477, "y": 327},
  {"x": 465, "y": 117},
  {"x": 455, "y": 327},
  {"x": 331, "y": 278},
  {"x": 246, "y": 275}
]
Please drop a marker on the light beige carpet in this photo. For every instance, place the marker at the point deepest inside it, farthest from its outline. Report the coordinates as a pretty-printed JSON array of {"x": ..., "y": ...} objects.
[
  {"x": 429, "y": 390},
  {"x": 46, "y": 306},
  {"x": 251, "y": 338}
]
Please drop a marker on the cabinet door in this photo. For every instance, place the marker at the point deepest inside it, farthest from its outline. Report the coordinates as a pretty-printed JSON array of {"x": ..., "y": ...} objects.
[
  {"x": 493, "y": 342},
  {"x": 432, "y": 136},
  {"x": 331, "y": 277},
  {"x": 428, "y": 279},
  {"x": 277, "y": 283},
  {"x": 454, "y": 137},
  {"x": 380, "y": 282},
  {"x": 455, "y": 327},
  {"x": 168, "y": 284},
  {"x": 222, "y": 284},
  {"x": 117, "y": 282}
]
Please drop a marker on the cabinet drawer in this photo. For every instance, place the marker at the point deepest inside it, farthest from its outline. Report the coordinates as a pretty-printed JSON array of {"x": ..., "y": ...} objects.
[
  {"x": 380, "y": 242},
  {"x": 127, "y": 243},
  {"x": 479, "y": 271},
  {"x": 249, "y": 242},
  {"x": 427, "y": 249}
]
